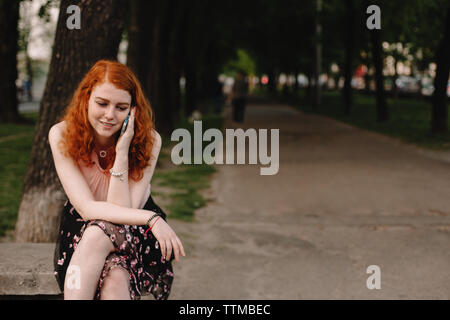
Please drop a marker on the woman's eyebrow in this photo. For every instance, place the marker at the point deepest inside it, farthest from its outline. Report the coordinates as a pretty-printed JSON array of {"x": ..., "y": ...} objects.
[{"x": 120, "y": 103}]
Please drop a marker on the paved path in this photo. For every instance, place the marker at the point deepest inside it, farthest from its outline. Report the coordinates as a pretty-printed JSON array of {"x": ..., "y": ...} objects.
[{"x": 343, "y": 199}]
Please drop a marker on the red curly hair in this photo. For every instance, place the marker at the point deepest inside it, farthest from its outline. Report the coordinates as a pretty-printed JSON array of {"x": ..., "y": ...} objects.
[{"x": 78, "y": 138}]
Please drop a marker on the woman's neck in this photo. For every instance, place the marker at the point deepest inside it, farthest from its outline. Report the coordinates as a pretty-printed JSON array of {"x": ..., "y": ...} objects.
[{"x": 103, "y": 143}]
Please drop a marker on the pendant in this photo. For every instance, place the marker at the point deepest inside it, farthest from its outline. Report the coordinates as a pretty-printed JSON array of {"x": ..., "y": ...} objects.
[{"x": 102, "y": 153}]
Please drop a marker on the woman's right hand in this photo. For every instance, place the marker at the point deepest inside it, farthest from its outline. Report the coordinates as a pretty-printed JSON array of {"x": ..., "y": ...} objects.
[
  {"x": 123, "y": 144},
  {"x": 168, "y": 240}
]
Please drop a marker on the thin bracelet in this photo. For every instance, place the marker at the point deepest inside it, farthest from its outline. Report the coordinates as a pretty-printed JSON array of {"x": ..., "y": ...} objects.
[
  {"x": 150, "y": 229},
  {"x": 155, "y": 222},
  {"x": 118, "y": 174},
  {"x": 152, "y": 217}
]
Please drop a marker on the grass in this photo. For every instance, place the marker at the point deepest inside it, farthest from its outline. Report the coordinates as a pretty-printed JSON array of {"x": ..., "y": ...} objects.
[
  {"x": 15, "y": 145},
  {"x": 187, "y": 181},
  {"x": 410, "y": 119}
]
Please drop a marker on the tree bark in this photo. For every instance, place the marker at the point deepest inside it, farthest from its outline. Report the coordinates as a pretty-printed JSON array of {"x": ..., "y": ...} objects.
[
  {"x": 272, "y": 85},
  {"x": 9, "y": 17},
  {"x": 140, "y": 38},
  {"x": 74, "y": 52},
  {"x": 439, "y": 123},
  {"x": 155, "y": 49},
  {"x": 394, "y": 79},
  {"x": 349, "y": 50},
  {"x": 318, "y": 56},
  {"x": 195, "y": 48},
  {"x": 377, "y": 54}
]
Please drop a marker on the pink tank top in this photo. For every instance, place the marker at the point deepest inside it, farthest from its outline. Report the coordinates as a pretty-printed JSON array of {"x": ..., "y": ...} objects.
[{"x": 98, "y": 180}]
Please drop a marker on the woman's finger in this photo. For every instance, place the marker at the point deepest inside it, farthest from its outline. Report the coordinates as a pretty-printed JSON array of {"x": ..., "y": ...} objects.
[
  {"x": 180, "y": 245},
  {"x": 168, "y": 249},
  {"x": 176, "y": 249},
  {"x": 163, "y": 248}
]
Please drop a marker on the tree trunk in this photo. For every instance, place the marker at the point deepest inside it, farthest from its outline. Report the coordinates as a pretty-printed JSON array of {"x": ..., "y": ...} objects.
[
  {"x": 349, "y": 49},
  {"x": 377, "y": 54},
  {"x": 394, "y": 79},
  {"x": 195, "y": 47},
  {"x": 29, "y": 75},
  {"x": 308, "y": 93},
  {"x": 272, "y": 85},
  {"x": 74, "y": 52},
  {"x": 367, "y": 78},
  {"x": 318, "y": 56},
  {"x": 162, "y": 85},
  {"x": 9, "y": 16},
  {"x": 439, "y": 123},
  {"x": 296, "y": 85},
  {"x": 139, "y": 39}
]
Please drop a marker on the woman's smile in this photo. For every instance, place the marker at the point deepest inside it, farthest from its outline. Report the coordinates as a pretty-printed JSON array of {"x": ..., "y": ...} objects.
[{"x": 107, "y": 125}]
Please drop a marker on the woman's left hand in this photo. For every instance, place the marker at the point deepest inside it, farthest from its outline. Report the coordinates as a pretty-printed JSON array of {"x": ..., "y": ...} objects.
[
  {"x": 123, "y": 144},
  {"x": 168, "y": 240}
]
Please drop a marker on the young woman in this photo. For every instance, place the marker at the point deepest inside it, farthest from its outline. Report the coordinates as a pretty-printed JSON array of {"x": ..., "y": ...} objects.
[{"x": 114, "y": 241}]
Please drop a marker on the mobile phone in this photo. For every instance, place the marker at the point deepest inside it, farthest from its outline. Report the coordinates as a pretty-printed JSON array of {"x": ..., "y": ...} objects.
[{"x": 125, "y": 124}]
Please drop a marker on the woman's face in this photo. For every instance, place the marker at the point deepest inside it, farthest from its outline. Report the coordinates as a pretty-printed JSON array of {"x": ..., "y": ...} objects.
[{"x": 108, "y": 108}]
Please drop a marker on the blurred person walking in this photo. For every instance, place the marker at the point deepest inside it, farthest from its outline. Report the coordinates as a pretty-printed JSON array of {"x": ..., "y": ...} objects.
[{"x": 239, "y": 97}]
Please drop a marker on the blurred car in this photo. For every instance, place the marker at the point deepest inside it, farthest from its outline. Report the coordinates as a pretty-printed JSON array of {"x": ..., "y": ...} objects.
[
  {"x": 427, "y": 89},
  {"x": 406, "y": 84}
]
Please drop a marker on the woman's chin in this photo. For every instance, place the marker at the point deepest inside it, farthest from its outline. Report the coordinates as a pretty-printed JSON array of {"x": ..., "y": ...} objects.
[{"x": 106, "y": 133}]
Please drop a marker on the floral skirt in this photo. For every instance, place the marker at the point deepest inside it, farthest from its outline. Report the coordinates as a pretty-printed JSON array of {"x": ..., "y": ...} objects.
[{"x": 135, "y": 251}]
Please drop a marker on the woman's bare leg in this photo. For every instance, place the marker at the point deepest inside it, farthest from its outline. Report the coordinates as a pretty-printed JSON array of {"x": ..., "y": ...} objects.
[
  {"x": 86, "y": 264},
  {"x": 116, "y": 285}
]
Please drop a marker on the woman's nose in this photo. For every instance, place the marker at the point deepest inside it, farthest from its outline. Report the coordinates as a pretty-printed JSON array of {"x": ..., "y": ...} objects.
[{"x": 109, "y": 113}]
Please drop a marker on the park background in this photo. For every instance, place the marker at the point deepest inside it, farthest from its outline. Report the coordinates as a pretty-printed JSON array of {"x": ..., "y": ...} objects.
[{"x": 308, "y": 61}]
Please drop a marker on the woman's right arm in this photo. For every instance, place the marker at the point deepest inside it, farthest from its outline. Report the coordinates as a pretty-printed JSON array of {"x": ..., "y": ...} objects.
[{"x": 79, "y": 194}]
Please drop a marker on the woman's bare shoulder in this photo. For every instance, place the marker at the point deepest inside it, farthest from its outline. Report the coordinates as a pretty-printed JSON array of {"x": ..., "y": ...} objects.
[
  {"x": 60, "y": 125},
  {"x": 56, "y": 131},
  {"x": 156, "y": 136}
]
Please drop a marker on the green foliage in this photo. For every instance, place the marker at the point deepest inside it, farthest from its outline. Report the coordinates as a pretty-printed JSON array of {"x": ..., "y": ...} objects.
[
  {"x": 44, "y": 10},
  {"x": 242, "y": 62}
]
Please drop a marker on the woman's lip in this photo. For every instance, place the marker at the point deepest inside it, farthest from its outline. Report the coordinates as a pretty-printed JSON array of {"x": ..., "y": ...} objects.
[{"x": 106, "y": 125}]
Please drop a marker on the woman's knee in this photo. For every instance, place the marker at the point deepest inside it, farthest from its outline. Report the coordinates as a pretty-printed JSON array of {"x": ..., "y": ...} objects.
[
  {"x": 96, "y": 238},
  {"x": 116, "y": 284}
]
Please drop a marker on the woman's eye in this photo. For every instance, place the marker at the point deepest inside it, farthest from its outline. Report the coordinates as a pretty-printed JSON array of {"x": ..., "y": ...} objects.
[
  {"x": 123, "y": 109},
  {"x": 101, "y": 104}
]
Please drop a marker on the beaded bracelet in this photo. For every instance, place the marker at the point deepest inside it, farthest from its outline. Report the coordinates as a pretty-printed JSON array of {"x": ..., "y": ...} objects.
[
  {"x": 118, "y": 174},
  {"x": 151, "y": 218},
  {"x": 150, "y": 229}
]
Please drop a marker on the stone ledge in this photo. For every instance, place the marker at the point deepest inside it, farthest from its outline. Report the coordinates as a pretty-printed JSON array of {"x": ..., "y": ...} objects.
[{"x": 27, "y": 269}]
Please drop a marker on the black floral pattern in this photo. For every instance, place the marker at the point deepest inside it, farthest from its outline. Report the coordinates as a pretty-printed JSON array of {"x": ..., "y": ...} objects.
[{"x": 135, "y": 251}]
